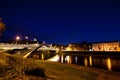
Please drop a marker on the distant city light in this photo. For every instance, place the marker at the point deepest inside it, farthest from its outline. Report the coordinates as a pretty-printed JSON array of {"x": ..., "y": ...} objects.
[
  {"x": 43, "y": 42},
  {"x": 69, "y": 49},
  {"x": 34, "y": 39},
  {"x": 26, "y": 37}
]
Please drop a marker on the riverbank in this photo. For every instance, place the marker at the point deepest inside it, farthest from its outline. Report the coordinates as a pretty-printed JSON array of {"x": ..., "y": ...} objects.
[
  {"x": 59, "y": 71},
  {"x": 16, "y": 68}
]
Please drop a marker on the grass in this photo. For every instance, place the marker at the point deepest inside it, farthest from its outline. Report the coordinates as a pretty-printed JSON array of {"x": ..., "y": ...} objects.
[
  {"x": 58, "y": 71},
  {"x": 13, "y": 67}
]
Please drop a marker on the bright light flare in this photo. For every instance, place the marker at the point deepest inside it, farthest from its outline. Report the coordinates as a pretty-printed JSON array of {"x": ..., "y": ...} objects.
[
  {"x": 17, "y": 38},
  {"x": 56, "y": 58}
]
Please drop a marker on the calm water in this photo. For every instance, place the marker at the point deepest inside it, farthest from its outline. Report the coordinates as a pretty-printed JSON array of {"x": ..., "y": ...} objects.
[{"x": 104, "y": 60}]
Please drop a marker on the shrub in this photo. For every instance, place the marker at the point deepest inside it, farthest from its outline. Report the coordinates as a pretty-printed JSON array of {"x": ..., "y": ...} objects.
[{"x": 24, "y": 66}]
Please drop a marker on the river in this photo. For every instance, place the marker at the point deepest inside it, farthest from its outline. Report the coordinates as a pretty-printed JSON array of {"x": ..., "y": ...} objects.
[{"x": 104, "y": 60}]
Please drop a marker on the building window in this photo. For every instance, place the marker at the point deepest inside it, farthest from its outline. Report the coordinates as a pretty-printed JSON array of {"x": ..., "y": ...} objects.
[{"x": 115, "y": 48}]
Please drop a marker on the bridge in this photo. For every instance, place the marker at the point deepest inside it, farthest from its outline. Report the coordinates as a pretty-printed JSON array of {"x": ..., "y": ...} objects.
[
  {"x": 31, "y": 47},
  {"x": 8, "y": 46},
  {"x": 103, "y": 59}
]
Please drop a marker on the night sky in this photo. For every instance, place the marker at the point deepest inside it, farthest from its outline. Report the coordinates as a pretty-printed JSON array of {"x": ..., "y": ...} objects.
[{"x": 61, "y": 21}]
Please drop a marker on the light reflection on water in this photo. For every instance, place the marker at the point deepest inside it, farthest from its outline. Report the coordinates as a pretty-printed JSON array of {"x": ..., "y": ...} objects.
[
  {"x": 90, "y": 61},
  {"x": 68, "y": 59},
  {"x": 109, "y": 66},
  {"x": 76, "y": 60},
  {"x": 85, "y": 61}
]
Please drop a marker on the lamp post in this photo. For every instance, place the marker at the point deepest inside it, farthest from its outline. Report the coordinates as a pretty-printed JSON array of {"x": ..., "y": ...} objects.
[
  {"x": 17, "y": 38},
  {"x": 26, "y": 39}
]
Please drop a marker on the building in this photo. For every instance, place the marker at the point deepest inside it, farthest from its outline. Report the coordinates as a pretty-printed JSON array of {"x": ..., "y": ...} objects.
[
  {"x": 59, "y": 47},
  {"x": 106, "y": 46},
  {"x": 83, "y": 46},
  {"x": 74, "y": 47}
]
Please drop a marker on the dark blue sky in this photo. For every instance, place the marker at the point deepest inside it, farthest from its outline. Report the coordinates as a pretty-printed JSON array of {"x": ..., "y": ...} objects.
[{"x": 61, "y": 21}]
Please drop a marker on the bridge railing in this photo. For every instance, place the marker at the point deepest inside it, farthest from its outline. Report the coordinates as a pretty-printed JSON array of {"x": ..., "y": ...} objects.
[{"x": 14, "y": 46}]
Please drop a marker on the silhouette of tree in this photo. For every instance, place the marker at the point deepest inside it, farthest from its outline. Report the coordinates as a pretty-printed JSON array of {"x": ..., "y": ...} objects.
[
  {"x": 2, "y": 26},
  {"x": 86, "y": 45}
]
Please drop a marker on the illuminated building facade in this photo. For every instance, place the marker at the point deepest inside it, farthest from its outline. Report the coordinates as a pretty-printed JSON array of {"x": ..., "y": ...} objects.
[
  {"x": 74, "y": 47},
  {"x": 106, "y": 46},
  {"x": 83, "y": 46}
]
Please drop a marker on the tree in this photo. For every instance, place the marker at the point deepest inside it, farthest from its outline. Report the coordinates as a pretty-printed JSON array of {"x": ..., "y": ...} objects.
[
  {"x": 86, "y": 45},
  {"x": 2, "y": 27}
]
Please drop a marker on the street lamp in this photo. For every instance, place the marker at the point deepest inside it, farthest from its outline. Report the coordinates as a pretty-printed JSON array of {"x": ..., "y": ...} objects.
[
  {"x": 17, "y": 38},
  {"x": 26, "y": 39}
]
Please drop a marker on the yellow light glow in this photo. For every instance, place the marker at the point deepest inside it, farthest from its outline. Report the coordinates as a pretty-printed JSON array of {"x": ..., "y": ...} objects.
[
  {"x": 90, "y": 60},
  {"x": 18, "y": 38},
  {"x": 85, "y": 61},
  {"x": 69, "y": 49},
  {"x": 56, "y": 58},
  {"x": 109, "y": 64},
  {"x": 62, "y": 59}
]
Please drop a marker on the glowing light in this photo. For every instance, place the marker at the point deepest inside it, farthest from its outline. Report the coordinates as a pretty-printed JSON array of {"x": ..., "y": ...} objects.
[
  {"x": 43, "y": 42},
  {"x": 34, "y": 39},
  {"x": 90, "y": 60},
  {"x": 61, "y": 58},
  {"x": 76, "y": 59},
  {"x": 69, "y": 49},
  {"x": 18, "y": 38},
  {"x": 109, "y": 64},
  {"x": 57, "y": 50},
  {"x": 68, "y": 59},
  {"x": 42, "y": 56},
  {"x": 56, "y": 58},
  {"x": 26, "y": 37},
  {"x": 85, "y": 61}
]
